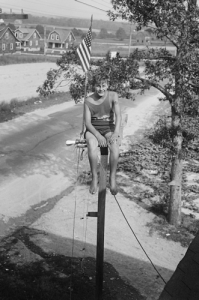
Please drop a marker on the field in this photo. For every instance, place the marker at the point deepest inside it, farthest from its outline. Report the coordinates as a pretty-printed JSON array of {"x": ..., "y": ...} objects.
[{"x": 25, "y": 58}]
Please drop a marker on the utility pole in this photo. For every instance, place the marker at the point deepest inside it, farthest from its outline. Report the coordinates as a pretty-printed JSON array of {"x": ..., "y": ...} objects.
[
  {"x": 45, "y": 41},
  {"x": 130, "y": 40}
]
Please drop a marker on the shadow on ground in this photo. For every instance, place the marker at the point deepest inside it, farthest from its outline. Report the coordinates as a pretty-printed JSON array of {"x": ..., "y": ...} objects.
[{"x": 28, "y": 272}]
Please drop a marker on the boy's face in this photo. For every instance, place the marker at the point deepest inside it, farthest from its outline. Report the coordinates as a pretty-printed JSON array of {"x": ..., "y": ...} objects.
[{"x": 101, "y": 87}]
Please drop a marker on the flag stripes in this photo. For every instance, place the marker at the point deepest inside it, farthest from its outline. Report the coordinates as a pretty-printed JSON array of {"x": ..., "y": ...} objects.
[{"x": 84, "y": 51}]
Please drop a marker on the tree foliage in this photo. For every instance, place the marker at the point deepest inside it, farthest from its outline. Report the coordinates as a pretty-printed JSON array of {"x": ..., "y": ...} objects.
[
  {"x": 121, "y": 34},
  {"x": 103, "y": 33},
  {"x": 69, "y": 71},
  {"x": 40, "y": 29},
  {"x": 175, "y": 76},
  {"x": 11, "y": 26}
]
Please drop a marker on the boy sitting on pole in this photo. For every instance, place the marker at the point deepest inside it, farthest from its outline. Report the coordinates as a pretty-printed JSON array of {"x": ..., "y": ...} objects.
[{"x": 102, "y": 119}]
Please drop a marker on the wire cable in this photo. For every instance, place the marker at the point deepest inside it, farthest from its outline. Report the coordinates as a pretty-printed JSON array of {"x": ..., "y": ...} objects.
[
  {"x": 139, "y": 241},
  {"x": 92, "y": 6},
  {"x": 39, "y": 12}
]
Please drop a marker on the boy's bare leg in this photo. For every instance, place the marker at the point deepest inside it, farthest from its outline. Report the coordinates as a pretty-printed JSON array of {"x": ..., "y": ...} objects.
[
  {"x": 114, "y": 155},
  {"x": 92, "y": 145}
]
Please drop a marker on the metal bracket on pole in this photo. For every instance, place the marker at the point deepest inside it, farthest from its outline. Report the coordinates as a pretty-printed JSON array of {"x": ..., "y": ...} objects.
[{"x": 92, "y": 214}]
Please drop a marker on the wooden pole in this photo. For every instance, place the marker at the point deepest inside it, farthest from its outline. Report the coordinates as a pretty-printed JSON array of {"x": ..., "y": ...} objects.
[
  {"x": 45, "y": 41},
  {"x": 101, "y": 223},
  {"x": 130, "y": 40}
]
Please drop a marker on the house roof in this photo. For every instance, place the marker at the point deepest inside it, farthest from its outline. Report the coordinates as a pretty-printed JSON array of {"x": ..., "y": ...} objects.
[
  {"x": 28, "y": 31},
  {"x": 62, "y": 33},
  {"x": 4, "y": 30},
  {"x": 143, "y": 33}
]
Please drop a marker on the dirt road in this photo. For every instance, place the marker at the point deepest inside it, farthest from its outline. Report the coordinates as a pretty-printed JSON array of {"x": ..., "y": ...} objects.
[{"x": 39, "y": 195}]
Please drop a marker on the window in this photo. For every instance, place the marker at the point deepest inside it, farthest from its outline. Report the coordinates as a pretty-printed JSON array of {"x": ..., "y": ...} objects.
[
  {"x": 7, "y": 35},
  {"x": 3, "y": 47},
  {"x": 52, "y": 36},
  {"x": 36, "y": 43},
  {"x": 16, "y": 34},
  {"x": 21, "y": 35},
  {"x": 34, "y": 35},
  {"x": 57, "y": 37},
  {"x": 66, "y": 45},
  {"x": 11, "y": 46},
  {"x": 30, "y": 43},
  {"x": 24, "y": 43},
  {"x": 69, "y": 38}
]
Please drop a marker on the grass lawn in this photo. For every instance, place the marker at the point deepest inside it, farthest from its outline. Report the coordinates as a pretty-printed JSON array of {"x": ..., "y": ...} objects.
[
  {"x": 11, "y": 59},
  {"x": 14, "y": 109}
]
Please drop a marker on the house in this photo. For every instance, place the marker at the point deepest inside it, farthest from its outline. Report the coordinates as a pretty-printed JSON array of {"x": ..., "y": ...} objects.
[
  {"x": 30, "y": 39},
  {"x": 59, "y": 41},
  {"x": 8, "y": 41},
  {"x": 143, "y": 38}
]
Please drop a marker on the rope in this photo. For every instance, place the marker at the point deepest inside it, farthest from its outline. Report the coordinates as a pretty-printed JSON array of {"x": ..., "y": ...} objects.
[{"x": 139, "y": 241}]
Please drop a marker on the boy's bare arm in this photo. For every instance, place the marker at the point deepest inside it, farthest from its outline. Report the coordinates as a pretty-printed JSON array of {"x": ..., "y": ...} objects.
[
  {"x": 87, "y": 116},
  {"x": 117, "y": 112},
  {"x": 116, "y": 108}
]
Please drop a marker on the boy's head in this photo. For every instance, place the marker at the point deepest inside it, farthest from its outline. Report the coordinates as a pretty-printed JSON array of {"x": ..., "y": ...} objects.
[{"x": 100, "y": 83}]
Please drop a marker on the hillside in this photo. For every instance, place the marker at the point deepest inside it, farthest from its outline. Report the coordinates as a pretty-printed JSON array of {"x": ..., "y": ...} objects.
[{"x": 77, "y": 23}]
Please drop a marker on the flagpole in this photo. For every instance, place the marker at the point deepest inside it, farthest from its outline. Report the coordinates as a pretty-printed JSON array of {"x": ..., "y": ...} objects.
[
  {"x": 85, "y": 88},
  {"x": 85, "y": 95}
]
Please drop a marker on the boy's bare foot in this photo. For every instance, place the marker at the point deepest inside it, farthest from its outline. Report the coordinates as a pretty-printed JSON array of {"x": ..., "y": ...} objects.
[
  {"x": 93, "y": 186},
  {"x": 113, "y": 186}
]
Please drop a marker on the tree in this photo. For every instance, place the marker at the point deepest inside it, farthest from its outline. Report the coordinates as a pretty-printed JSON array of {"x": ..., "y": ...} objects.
[
  {"x": 40, "y": 29},
  {"x": 69, "y": 73},
  {"x": 175, "y": 76},
  {"x": 94, "y": 35},
  {"x": 11, "y": 26},
  {"x": 103, "y": 33},
  {"x": 77, "y": 32},
  {"x": 120, "y": 34}
]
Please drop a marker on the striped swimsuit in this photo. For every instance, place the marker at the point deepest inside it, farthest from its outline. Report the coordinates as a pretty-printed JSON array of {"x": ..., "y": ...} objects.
[{"x": 102, "y": 115}]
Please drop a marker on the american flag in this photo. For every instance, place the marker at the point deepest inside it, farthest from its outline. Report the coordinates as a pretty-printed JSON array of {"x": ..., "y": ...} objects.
[{"x": 84, "y": 51}]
